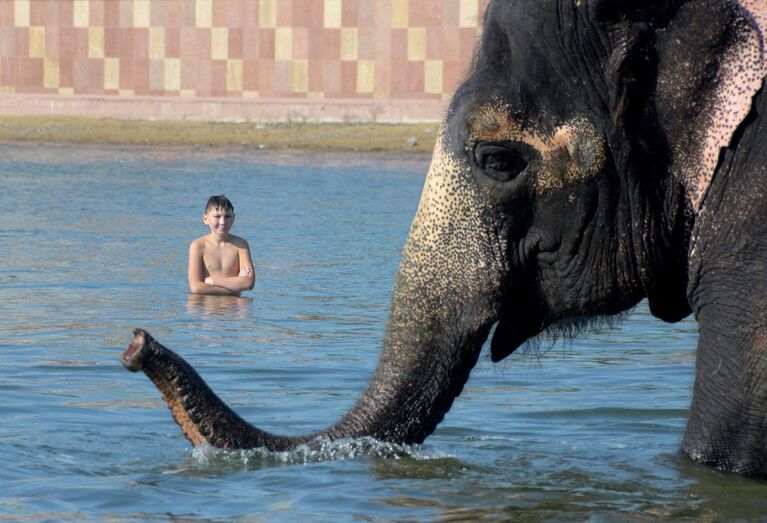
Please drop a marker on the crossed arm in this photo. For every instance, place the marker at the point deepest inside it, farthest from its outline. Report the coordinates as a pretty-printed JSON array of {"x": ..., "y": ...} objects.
[{"x": 231, "y": 285}]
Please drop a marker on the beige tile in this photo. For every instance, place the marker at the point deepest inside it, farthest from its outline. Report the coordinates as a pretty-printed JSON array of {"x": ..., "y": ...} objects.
[
  {"x": 432, "y": 76},
  {"x": 36, "y": 42},
  {"x": 219, "y": 43},
  {"x": 141, "y": 13},
  {"x": 349, "y": 43},
  {"x": 21, "y": 13},
  {"x": 416, "y": 43},
  {"x": 283, "y": 43},
  {"x": 299, "y": 76},
  {"x": 50, "y": 73},
  {"x": 157, "y": 43},
  {"x": 468, "y": 13},
  {"x": 333, "y": 14},
  {"x": 234, "y": 75},
  {"x": 172, "y": 71},
  {"x": 267, "y": 13},
  {"x": 95, "y": 42},
  {"x": 400, "y": 18},
  {"x": 203, "y": 13},
  {"x": 111, "y": 73},
  {"x": 81, "y": 13},
  {"x": 365, "y": 76}
]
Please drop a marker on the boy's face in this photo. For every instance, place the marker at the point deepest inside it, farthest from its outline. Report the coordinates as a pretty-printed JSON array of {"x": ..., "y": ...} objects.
[{"x": 219, "y": 220}]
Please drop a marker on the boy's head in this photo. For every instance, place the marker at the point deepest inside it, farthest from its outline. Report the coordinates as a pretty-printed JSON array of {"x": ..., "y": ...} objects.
[
  {"x": 219, "y": 214},
  {"x": 219, "y": 202}
]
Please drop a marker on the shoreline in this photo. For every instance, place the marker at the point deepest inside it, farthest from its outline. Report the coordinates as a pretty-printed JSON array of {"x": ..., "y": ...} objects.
[{"x": 365, "y": 137}]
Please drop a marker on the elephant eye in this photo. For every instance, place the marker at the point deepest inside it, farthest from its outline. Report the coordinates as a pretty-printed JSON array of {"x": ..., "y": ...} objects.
[{"x": 505, "y": 161}]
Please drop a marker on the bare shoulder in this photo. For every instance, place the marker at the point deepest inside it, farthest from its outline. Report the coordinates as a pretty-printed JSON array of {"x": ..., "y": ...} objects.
[
  {"x": 198, "y": 244},
  {"x": 240, "y": 243}
]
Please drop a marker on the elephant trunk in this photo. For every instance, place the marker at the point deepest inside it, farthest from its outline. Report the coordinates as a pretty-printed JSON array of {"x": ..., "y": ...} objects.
[
  {"x": 425, "y": 362},
  {"x": 201, "y": 414},
  {"x": 443, "y": 305},
  {"x": 422, "y": 369}
]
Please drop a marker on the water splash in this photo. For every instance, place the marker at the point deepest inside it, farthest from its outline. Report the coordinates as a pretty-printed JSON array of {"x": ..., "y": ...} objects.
[{"x": 320, "y": 449}]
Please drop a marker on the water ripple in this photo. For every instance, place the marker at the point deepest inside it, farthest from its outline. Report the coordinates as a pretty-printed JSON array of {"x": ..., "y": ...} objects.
[{"x": 589, "y": 430}]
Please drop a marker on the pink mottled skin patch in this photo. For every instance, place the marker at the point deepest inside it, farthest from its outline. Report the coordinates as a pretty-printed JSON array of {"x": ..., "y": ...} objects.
[
  {"x": 741, "y": 75},
  {"x": 757, "y": 9},
  {"x": 571, "y": 153}
]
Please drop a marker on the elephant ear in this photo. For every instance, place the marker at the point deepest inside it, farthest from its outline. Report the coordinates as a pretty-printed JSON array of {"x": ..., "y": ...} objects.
[
  {"x": 631, "y": 66},
  {"x": 711, "y": 63},
  {"x": 649, "y": 11}
]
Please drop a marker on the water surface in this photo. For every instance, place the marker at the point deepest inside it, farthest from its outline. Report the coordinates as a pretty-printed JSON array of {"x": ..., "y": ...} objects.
[{"x": 94, "y": 244}]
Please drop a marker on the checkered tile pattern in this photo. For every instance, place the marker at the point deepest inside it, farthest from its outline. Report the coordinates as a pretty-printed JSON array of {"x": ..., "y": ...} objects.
[{"x": 303, "y": 49}]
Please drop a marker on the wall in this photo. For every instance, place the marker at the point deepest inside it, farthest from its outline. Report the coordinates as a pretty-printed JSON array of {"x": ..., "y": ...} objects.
[{"x": 316, "y": 60}]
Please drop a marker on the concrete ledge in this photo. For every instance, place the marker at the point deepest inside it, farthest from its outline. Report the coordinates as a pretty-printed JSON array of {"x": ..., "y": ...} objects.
[{"x": 272, "y": 110}]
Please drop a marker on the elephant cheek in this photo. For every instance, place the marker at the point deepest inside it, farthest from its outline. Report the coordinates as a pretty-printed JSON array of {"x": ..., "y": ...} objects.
[{"x": 451, "y": 260}]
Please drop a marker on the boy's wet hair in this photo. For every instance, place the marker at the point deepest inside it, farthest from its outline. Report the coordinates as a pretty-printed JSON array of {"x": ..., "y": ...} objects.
[{"x": 219, "y": 202}]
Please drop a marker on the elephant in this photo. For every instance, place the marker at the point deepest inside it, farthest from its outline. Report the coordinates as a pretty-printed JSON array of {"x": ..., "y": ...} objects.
[{"x": 596, "y": 154}]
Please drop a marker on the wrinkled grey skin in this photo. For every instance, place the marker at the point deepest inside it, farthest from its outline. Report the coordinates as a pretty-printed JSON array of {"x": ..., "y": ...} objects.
[{"x": 598, "y": 153}]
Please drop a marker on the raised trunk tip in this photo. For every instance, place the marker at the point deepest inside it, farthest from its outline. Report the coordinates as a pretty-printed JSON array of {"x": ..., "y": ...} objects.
[
  {"x": 201, "y": 414},
  {"x": 132, "y": 357}
]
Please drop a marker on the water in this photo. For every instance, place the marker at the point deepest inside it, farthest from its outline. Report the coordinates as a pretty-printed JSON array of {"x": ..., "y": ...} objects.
[{"x": 94, "y": 244}]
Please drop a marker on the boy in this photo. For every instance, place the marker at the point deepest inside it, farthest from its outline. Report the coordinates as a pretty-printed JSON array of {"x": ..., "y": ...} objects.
[{"x": 219, "y": 262}]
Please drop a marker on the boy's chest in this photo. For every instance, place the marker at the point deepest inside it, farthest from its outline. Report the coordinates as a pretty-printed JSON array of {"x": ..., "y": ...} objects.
[{"x": 221, "y": 260}]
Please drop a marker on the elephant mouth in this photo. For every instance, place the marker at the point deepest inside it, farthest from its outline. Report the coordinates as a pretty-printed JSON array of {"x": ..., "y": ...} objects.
[
  {"x": 508, "y": 337},
  {"x": 521, "y": 316}
]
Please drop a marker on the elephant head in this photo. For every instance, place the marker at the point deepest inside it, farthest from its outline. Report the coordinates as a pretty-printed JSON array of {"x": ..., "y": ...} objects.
[{"x": 579, "y": 170}]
